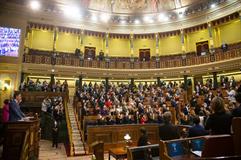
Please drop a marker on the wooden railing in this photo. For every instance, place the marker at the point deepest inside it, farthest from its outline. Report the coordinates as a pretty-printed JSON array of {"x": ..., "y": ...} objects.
[
  {"x": 164, "y": 62},
  {"x": 69, "y": 129}
]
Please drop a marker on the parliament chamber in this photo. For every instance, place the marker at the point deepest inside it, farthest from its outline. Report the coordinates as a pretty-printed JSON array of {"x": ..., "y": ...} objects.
[{"x": 120, "y": 79}]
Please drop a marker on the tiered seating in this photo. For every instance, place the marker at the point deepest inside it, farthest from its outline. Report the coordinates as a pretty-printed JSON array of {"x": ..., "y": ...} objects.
[{"x": 208, "y": 147}]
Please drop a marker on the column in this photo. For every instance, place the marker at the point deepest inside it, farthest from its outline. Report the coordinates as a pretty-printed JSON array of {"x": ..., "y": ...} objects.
[
  {"x": 131, "y": 44},
  {"x": 22, "y": 77},
  {"x": 239, "y": 15},
  {"x": 158, "y": 81},
  {"x": 210, "y": 29},
  {"x": 52, "y": 79},
  {"x": 215, "y": 80},
  {"x": 80, "y": 82},
  {"x": 185, "y": 82},
  {"x": 132, "y": 84},
  {"x": 157, "y": 51},
  {"x": 53, "y": 58},
  {"x": 106, "y": 84},
  {"x": 82, "y": 41},
  {"x": 107, "y": 43},
  {"x": 55, "y": 38},
  {"x": 183, "y": 47}
]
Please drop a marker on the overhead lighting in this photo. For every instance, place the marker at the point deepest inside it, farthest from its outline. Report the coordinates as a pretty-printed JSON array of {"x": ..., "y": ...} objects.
[
  {"x": 123, "y": 21},
  {"x": 162, "y": 17},
  {"x": 213, "y": 5},
  {"x": 137, "y": 21},
  {"x": 94, "y": 18},
  {"x": 35, "y": 5},
  {"x": 148, "y": 19},
  {"x": 72, "y": 12},
  {"x": 180, "y": 15},
  {"x": 105, "y": 17}
]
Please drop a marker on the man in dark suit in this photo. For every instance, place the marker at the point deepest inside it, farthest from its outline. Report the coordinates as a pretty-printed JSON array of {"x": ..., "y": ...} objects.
[
  {"x": 168, "y": 131},
  {"x": 15, "y": 113},
  {"x": 55, "y": 134},
  {"x": 237, "y": 110},
  {"x": 197, "y": 129}
]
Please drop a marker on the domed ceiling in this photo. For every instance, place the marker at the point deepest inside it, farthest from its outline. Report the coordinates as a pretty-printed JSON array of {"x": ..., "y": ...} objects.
[
  {"x": 124, "y": 16},
  {"x": 137, "y": 6}
]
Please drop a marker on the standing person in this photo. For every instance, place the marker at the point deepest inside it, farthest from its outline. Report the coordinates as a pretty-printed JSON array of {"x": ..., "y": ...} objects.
[
  {"x": 168, "y": 131},
  {"x": 143, "y": 140},
  {"x": 220, "y": 121},
  {"x": 55, "y": 134},
  {"x": 5, "y": 114},
  {"x": 237, "y": 110},
  {"x": 15, "y": 113}
]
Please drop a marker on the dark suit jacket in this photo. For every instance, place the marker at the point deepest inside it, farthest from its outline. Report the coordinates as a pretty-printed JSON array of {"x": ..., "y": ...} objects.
[
  {"x": 197, "y": 130},
  {"x": 143, "y": 140},
  {"x": 237, "y": 112},
  {"x": 219, "y": 123},
  {"x": 168, "y": 132},
  {"x": 15, "y": 112}
]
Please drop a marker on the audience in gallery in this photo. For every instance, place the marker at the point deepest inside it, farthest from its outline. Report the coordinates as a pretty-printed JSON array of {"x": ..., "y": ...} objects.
[
  {"x": 45, "y": 86},
  {"x": 143, "y": 103}
]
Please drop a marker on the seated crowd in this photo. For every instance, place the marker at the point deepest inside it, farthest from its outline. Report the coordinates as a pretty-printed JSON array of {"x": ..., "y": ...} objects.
[
  {"x": 45, "y": 86},
  {"x": 143, "y": 103}
]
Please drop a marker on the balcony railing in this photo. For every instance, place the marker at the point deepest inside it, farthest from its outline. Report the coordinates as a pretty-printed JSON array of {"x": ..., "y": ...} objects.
[{"x": 164, "y": 62}]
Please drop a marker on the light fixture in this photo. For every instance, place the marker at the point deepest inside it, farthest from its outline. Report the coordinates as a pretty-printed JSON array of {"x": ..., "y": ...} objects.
[
  {"x": 52, "y": 70},
  {"x": 72, "y": 12},
  {"x": 213, "y": 5},
  {"x": 162, "y": 17},
  {"x": 127, "y": 138},
  {"x": 35, "y": 5},
  {"x": 123, "y": 21},
  {"x": 94, "y": 18},
  {"x": 105, "y": 17},
  {"x": 147, "y": 19},
  {"x": 180, "y": 15},
  {"x": 137, "y": 21}
]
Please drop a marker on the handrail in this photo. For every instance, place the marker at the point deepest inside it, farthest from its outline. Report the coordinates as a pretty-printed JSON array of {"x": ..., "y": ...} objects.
[
  {"x": 69, "y": 131},
  {"x": 80, "y": 132},
  {"x": 152, "y": 64}
]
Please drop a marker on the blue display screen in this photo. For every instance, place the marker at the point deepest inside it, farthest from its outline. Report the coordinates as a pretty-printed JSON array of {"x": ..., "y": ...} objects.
[{"x": 9, "y": 41}]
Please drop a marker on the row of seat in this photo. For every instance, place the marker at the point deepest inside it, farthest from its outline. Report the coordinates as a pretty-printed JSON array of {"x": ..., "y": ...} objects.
[{"x": 205, "y": 147}]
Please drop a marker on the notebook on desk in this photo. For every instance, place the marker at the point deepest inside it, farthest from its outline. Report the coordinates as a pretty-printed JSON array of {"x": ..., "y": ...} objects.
[
  {"x": 197, "y": 146},
  {"x": 197, "y": 153}
]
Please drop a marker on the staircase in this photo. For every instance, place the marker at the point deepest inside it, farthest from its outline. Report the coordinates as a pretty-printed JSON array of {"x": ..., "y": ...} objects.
[{"x": 78, "y": 146}]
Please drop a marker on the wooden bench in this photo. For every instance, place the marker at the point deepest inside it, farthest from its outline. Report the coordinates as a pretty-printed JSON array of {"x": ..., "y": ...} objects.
[
  {"x": 113, "y": 135},
  {"x": 140, "y": 152},
  {"x": 207, "y": 146}
]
